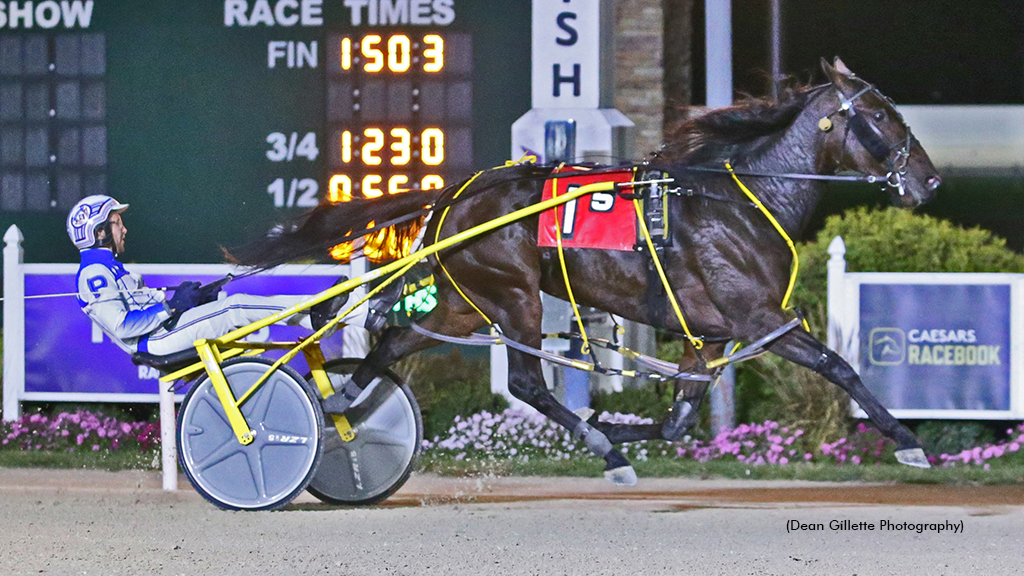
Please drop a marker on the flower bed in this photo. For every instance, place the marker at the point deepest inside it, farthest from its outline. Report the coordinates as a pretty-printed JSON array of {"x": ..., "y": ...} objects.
[
  {"x": 515, "y": 434},
  {"x": 80, "y": 430},
  {"x": 990, "y": 453}
]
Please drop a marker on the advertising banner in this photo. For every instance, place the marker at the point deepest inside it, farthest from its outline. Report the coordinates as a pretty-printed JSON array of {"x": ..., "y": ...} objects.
[
  {"x": 937, "y": 346},
  {"x": 66, "y": 354}
]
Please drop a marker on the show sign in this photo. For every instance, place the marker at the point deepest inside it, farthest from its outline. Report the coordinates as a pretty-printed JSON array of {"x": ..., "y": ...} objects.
[{"x": 930, "y": 345}]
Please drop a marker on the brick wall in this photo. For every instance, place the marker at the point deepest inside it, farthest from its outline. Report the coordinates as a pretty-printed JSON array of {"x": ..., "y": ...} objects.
[{"x": 638, "y": 69}]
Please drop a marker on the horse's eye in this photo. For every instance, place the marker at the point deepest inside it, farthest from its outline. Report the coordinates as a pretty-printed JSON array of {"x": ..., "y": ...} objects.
[{"x": 878, "y": 116}]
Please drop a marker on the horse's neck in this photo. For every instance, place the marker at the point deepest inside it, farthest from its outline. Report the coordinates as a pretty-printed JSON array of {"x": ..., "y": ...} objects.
[{"x": 791, "y": 201}]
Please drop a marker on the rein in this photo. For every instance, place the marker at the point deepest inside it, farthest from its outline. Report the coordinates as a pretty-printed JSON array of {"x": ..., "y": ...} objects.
[
  {"x": 866, "y": 133},
  {"x": 868, "y": 178}
]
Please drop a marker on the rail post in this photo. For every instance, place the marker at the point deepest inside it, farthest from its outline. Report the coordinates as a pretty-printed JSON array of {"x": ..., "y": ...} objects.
[
  {"x": 168, "y": 441},
  {"x": 14, "y": 322},
  {"x": 836, "y": 286}
]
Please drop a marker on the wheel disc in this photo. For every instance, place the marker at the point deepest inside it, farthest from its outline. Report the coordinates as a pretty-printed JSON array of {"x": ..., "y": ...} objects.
[
  {"x": 388, "y": 433},
  {"x": 277, "y": 465}
]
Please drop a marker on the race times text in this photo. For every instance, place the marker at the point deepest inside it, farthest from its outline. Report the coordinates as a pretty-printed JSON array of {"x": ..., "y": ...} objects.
[
  {"x": 287, "y": 13},
  {"x": 294, "y": 193},
  {"x": 293, "y": 147}
]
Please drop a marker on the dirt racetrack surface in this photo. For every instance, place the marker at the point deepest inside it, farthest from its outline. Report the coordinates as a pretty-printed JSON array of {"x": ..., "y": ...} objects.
[
  {"x": 702, "y": 493},
  {"x": 429, "y": 489},
  {"x": 90, "y": 522}
]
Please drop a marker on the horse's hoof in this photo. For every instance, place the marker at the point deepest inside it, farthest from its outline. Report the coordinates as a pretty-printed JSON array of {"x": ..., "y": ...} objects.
[
  {"x": 584, "y": 413},
  {"x": 912, "y": 457},
  {"x": 621, "y": 476}
]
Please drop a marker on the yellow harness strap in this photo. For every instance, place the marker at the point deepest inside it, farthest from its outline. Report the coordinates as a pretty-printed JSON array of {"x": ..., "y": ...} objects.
[
  {"x": 795, "y": 268},
  {"x": 697, "y": 343},
  {"x": 565, "y": 272},
  {"x": 526, "y": 159},
  {"x": 437, "y": 236}
]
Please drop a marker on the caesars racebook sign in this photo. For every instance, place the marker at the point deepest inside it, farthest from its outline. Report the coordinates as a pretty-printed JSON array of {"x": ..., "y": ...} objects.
[{"x": 936, "y": 346}]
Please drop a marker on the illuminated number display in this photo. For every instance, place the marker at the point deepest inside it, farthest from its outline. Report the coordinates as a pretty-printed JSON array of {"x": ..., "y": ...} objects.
[{"x": 399, "y": 112}]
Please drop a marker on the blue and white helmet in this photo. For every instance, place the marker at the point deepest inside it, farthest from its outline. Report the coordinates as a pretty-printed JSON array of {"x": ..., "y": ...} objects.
[{"x": 87, "y": 216}]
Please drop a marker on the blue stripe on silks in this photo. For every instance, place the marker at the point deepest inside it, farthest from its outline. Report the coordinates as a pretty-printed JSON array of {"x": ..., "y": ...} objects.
[{"x": 141, "y": 317}]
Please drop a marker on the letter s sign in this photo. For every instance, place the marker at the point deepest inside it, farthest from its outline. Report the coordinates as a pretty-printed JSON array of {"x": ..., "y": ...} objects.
[{"x": 562, "y": 20}]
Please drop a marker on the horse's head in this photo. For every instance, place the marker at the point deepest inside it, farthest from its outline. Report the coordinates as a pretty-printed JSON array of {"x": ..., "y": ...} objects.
[{"x": 882, "y": 143}]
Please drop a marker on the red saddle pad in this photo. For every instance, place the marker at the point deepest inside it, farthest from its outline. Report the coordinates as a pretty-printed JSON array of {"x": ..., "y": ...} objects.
[{"x": 603, "y": 220}]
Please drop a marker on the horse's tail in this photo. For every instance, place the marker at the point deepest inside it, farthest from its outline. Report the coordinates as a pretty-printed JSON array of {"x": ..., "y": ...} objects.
[{"x": 320, "y": 231}]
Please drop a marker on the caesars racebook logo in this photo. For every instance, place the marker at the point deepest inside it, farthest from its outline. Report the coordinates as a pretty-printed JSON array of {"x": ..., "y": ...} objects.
[{"x": 893, "y": 346}]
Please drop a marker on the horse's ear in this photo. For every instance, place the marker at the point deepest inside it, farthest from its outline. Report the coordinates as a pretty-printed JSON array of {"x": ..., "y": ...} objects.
[
  {"x": 826, "y": 67},
  {"x": 836, "y": 74},
  {"x": 841, "y": 68}
]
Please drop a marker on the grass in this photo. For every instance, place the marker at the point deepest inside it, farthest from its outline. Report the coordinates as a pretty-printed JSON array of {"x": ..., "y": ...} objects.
[
  {"x": 1010, "y": 472},
  {"x": 666, "y": 468},
  {"x": 114, "y": 461}
]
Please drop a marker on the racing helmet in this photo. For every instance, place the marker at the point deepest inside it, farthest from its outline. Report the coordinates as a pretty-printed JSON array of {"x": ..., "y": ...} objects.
[{"x": 90, "y": 214}]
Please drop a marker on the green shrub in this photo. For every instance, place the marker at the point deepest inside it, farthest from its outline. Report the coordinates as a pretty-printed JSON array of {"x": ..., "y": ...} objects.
[
  {"x": 895, "y": 240},
  {"x": 647, "y": 401},
  {"x": 944, "y": 437}
]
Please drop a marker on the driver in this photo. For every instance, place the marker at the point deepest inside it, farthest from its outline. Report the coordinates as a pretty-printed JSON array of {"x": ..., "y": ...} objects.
[{"x": 140, "y": 319}]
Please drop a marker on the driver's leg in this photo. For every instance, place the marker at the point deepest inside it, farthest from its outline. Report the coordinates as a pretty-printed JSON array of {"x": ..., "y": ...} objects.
[{"x": 216, "y": 319}]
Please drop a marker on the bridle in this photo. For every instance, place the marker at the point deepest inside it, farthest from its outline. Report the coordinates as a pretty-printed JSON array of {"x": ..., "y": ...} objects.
[
  {"x": 866, "y": 133},
  {"x": 871, "y": 138}
]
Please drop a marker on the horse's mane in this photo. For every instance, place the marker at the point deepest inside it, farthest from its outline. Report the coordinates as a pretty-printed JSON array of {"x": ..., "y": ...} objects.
[{"x": 736, "y": 131}]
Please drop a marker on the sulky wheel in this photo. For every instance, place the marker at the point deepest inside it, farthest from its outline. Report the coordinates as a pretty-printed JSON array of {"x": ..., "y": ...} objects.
[
  {"x": 273, "y": 469},
  {"x": 388, "y": 433}
]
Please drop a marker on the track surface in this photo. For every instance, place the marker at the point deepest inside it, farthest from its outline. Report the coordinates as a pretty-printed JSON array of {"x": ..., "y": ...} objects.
[{"x": 86, "y": 522}]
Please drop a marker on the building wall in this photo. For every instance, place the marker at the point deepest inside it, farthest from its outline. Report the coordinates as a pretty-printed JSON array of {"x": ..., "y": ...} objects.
[{"x": 638, "y": 69}]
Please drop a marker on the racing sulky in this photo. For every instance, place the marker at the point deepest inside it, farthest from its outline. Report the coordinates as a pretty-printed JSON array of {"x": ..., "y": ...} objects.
[{"x": 728, "y": 262}]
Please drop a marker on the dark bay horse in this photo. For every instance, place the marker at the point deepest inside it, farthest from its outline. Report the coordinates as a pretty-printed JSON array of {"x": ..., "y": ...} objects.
[{"x": 727, "y": 265}]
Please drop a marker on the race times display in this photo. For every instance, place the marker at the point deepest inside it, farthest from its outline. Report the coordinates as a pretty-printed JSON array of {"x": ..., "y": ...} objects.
[
  {"x": 218, "y": 120},
  {"x": 399, "y": 112}
]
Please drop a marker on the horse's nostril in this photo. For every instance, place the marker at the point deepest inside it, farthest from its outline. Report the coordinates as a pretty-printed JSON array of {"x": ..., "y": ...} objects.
[{"x": 934, "y": 182}]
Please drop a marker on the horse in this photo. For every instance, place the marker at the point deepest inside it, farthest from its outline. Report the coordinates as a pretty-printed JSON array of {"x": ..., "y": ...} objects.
[{"x": 727, "y": 264}]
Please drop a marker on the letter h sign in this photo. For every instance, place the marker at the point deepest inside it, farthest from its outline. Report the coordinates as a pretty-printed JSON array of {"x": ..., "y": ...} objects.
[{"x": 571, "y": 53}]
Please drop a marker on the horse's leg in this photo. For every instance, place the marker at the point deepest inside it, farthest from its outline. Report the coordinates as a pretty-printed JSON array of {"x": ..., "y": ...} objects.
[
  {"x": 450, "y": 316},
  {"x": 684, "y": 411},
  {"x": 802, "y": 348},
  {"x": 526, "y": 382},
  {"x": 689, "y": 394},
  {"x": 518, "y": 312}
]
